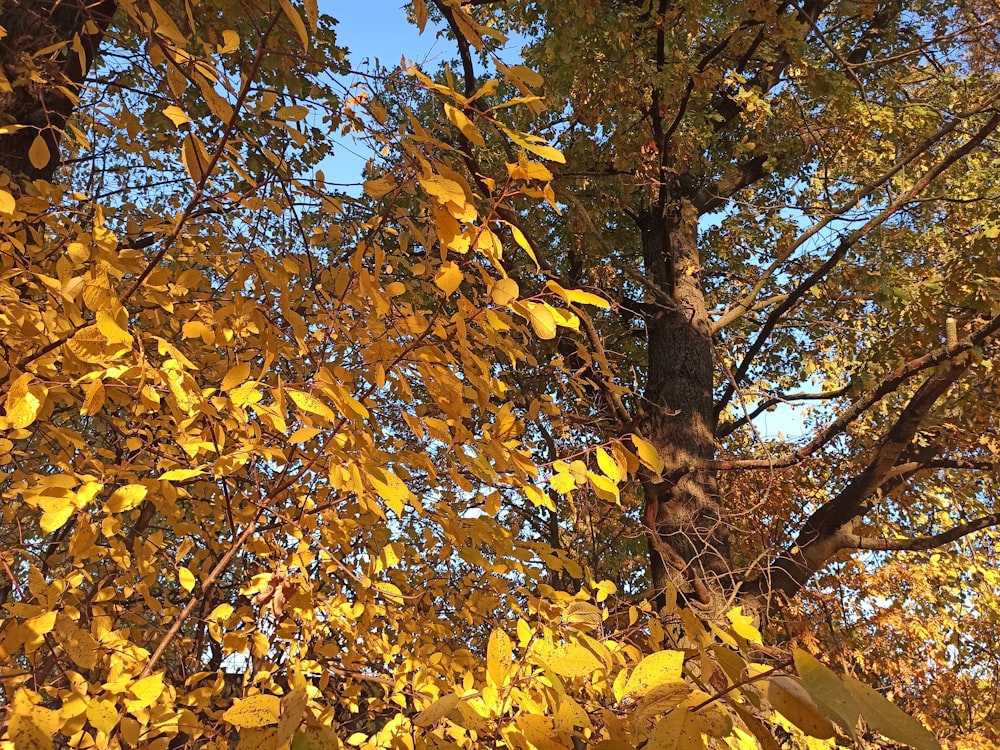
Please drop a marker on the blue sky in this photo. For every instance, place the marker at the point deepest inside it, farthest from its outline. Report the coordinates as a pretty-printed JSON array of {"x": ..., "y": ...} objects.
[
  {"x": 375, "y": 30},
  {"x": 379, "y": 29}
]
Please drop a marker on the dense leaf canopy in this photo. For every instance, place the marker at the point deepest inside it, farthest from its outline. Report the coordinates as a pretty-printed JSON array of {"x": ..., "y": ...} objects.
[{"x": 471, "y": 453}]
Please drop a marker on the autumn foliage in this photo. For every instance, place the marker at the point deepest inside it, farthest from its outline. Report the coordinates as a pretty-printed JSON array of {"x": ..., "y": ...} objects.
[{"x": 288, "y": 465}]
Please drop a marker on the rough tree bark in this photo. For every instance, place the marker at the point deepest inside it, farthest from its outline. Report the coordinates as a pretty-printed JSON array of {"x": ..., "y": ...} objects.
[
  {"x": 687, "y": 538},
  {"x": 49, "y": 48}
]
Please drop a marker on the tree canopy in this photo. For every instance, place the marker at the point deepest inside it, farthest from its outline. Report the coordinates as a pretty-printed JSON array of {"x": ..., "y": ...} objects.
[{"x": 471, "y": 454}]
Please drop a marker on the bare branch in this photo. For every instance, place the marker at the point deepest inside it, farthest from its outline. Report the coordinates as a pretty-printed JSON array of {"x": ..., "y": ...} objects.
[
  {"x": 913, "y": 544},
  {"x": 730, "y": 427}
]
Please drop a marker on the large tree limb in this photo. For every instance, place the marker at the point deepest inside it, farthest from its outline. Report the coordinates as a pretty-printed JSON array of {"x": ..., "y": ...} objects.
[
  {"x": 820, "y": 536},
  {"x": 71, "y": 31},
  {"x": 747, "y": 301},
  {"x": 889, "y": 384},
  {"x": 847, "y": 242},
  {"x": 920, "y": 543},
  {"x": 728, "y": 428}
]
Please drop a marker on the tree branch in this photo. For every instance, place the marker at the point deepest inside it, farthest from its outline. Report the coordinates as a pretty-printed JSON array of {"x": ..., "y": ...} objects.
[
  {"x": 846, "y": 243},
  {"x": 729, "y": 428},
  {"x": 820, "y": 537},
  {"x": 920, "y": 543}
]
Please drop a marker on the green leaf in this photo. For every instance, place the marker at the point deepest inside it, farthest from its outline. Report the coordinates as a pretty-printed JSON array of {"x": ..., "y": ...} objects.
[
  {"x": 888, "y": 719},
  {"x": 828, "y": 691}
]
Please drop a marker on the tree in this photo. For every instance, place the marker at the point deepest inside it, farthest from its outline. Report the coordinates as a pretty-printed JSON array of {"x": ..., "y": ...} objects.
[
  {"x": 787, "y": 204},
  {"x": 286, "y": 465}
]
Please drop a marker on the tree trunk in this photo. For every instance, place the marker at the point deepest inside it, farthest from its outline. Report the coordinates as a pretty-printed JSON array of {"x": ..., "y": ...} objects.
[
  {"x": 686, "y": 529},
  {"x": 41, "y": 91}
]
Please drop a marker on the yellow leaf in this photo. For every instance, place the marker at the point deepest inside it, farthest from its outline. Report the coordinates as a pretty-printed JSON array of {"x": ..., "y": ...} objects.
[
  {"x": 221, "y": 108},
  {"x": 127, "y": 497},
  {"x": 443, "y": 189},
  {"x": 316, "y": 737},
  {"x": 113, "y": 327},
  {"x": 297, "y": 24},
  {"x": 647, "y": 454},
  {"x": 38, "y": 153},
  {"x": 7, "y": 203},
  {"x": 186, "y": 579},
  {"x": 293, "y": 709},
  {"x": 743, "y": 625},
  {"x": 538, "y": 498},
  {"x": 498, "y": 657},
  {"x": 40, "y": 625},
  {"x": 291, "y": 113},
  {"x": 179, "y": 475},
  {"x": 661, "y": 698},
  {"x": 827, "y": 691},
  {"x": 144, "y": 692},
  {"x": 32, "y": 727},
  {"x": 583, "y": 613},
  {"x": 888, "y": 719},
  {"x": 609, "y": 466},
  {"x": 379, "y": 187},
  {"x": 605, "y": 589},
  {"x": 102, "y": 715},
  {"x": 573, "y": 660},
  {"x": 586, "y": 298},
  {"x": 222, "y": 612},
  {"x": 195, "y": 158},
  {"x": 420, "y": 14},
  {"x": 245, "y": 394},
  {"x": 562, "y": 482},
  {"x": 523, "y": 243},
  {"x": 237, "y": 375},
  {"x": 390, "y": 488},
  {"x": 604, "y": 488},
  {"x": 82, "y": 648},
  {"x": 546, "y": 152},
  {"x": 93, "y": 398},
  {"x": 390, "y": 591},
  {"x": 680, "y": 730},
  {"x": 23, "y": 402},
  {"x": 504, "y": 292},
  {"x": 312, "y": 14},
  {"x": 256, "y": 711},
  {"x": 177, "y": 115},
  {"x": 449, "y": 277},
  {"x": 542, "y": 320},
  {"x": 303, "y": 435},
  {"x": 655, "y": 669},
  {"x": 57, "y": 513},
  {"x": 465, "y": 125},
  {"x": 309, "y": 403},
  {"x": 792, "y": 701},
  {"x": 230, "y": 43},
  {"x": 436, "y": 711},
  {"x": 565, "y": 318},
  {"x": 526, "y": 169},
  {"x": 539, "y": 731}
]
